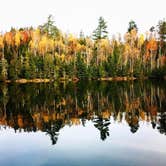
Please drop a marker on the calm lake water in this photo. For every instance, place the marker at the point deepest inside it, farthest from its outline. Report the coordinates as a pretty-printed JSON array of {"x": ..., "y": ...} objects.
[{"x": 83, "y": 124}]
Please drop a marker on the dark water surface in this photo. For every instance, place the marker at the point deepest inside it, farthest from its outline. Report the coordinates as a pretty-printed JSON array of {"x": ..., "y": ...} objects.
[{"x": 83, "y": 124}]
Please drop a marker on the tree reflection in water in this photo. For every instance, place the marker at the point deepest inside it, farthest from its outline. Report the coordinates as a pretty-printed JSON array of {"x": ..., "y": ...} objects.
[
  {"x": 162, "y": 123},
  {"x": 50, "y": 107},
  {"x": 53, "y": 130},
  {"x": 102, "y": 125}
]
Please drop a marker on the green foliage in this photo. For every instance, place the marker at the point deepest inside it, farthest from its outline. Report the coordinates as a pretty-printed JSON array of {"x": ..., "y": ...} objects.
[
  {"x": 132, "y": 25},
  {"x": 101, "y": 71},
  {"x": 82, "y": 40},
  {"x": 14, "y": 69},
  {"x": 81, "y": 68},
  {"x": 93, "y": 72},
  {"x": 3, "y": 69},
  {"x": 162, "y": 29},
  {"x": 159, "y": 73},
  {"x": 47, "y": 53},
  {"x": 114, "y": 63},
  {"x": 48, "y": 67},
  {"x": 69, "y": 68},
  {"x": 32, "y": 72},
  {"x": 162, "y": 34},
  {"x": 49, "y": 28},
  {"x": 101, "y": 31}
]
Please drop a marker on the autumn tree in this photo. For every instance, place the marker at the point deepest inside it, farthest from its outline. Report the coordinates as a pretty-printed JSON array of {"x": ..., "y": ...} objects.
[
  {"x": 46, "y": 52},
  {"x": 131, "y": 51},
  {"x": 152, "y": 48}
]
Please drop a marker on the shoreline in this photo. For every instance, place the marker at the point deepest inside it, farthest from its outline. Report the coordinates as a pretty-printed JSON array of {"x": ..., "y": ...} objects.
[
  {"x": 46, "y": 80},
  {"x": 24, "y": 81}
]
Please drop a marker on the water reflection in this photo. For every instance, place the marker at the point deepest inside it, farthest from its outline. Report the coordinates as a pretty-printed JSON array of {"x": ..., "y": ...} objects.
[{"x": 50, "y": 107}]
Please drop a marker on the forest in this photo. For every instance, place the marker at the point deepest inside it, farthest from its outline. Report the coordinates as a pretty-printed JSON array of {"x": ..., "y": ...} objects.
[{"x": 46, "y": 52}]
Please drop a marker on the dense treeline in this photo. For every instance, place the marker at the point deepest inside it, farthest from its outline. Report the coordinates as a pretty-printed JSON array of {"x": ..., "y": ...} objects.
[
  {"x": 46, "y": 52},
  {"x": 50, "y": 107}
]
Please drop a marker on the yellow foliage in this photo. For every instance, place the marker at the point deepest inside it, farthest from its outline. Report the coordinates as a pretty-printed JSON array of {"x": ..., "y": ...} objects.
[
  {"x": 31, "y": 44},
  {"x": 127, "y": 37},
  {"x": 133, "y": 33},
  {"x": 8, "y": 37},
  {"x": 36, "y": 34},
  {"x": 1, "y": 42},
  {"x": 60, "y": 45},
  {"x": 81, "y": 47},
  {"x": 131, "y": 37},
  {"x": 141, "y": 40},
  {"x": 142, "y": 115},
  {"x": 71, "y": 38},
  {"x": 127, "y": 48},
  {"x": 104, "y": 43},
  {"x": 46, "y": 118},
  {"x": 89, "y": 42},
  {"x": 75, "y": 121},
  {"x": 50, "y": 44},
  {"x": 17, "y": 38},
  {"x": 43, "y": 45},
  {"x": 106, "y": 114},
  {"x": 63, "y": 57}
]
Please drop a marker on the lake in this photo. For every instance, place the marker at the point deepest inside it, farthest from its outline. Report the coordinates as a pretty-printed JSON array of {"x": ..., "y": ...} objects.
[{"x": 83, "y": 124}]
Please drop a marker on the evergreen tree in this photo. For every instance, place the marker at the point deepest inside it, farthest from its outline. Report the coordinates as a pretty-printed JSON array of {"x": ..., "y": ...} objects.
[
  {"x": 101, "y": 31},
  {"x": 162, "y": 29},
  {"x": 3, "y": 69},
  {"x": 49, "y": 28},
  {"x": 32, "y": 67},
  {"x": 162, "y": 35},
  {"x": 103, "y": 126},
  {"x": 81, "y": 68},
  {"x": 82, "y": 39},
  {"x": 132, "y": 25}
]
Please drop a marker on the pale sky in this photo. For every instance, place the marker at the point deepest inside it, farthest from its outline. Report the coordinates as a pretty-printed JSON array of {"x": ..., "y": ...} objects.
[{"x": 72, "y": 16}]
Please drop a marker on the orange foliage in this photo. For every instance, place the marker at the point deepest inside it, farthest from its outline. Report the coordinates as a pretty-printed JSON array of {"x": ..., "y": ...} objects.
[
  {"x": 152, "y": 45},
  {"x": 25, "y": 36}
]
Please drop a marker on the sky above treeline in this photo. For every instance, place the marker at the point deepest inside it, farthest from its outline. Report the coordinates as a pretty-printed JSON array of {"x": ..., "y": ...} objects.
[{"x": 72, "y": 16}]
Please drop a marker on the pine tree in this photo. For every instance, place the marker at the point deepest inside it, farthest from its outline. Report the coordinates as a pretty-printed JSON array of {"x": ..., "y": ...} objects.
[
  {"x": 101, "y": 31},
  {"x": 132, "y": 25},
  {"x": 49, "y": 28},
  {"x": 99, "y": 34}
]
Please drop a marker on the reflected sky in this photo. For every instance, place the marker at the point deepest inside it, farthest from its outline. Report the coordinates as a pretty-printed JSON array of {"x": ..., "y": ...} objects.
[
  {"x": 26, "y": 139},
  {"x": 80, "y": 145}
]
